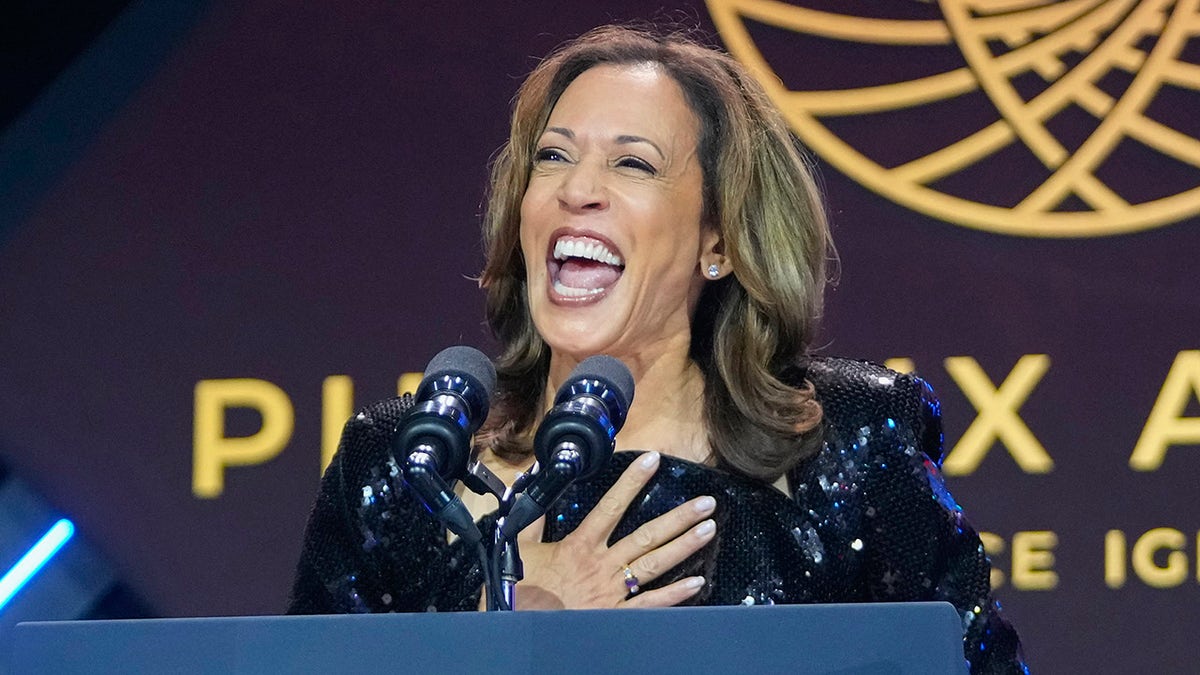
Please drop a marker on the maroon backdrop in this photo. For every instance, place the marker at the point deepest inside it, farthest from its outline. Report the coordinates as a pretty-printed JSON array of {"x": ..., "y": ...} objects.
[{"x": 290, "y": 192}]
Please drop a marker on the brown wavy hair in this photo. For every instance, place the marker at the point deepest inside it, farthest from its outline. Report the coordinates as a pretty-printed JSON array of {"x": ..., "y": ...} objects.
[{"x": 752, "y": 328}]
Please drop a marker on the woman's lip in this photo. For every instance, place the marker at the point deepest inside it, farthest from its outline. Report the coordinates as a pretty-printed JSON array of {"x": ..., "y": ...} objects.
[
  {"x": 557, "y": 298},
  {"x": 580, "y": 232}
]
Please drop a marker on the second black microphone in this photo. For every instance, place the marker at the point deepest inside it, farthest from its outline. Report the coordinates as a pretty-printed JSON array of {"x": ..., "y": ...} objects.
[{"x": 577, "y": 437}]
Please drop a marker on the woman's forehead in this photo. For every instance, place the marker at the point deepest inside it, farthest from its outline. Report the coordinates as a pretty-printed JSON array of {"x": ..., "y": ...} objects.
[{"x": 611, "y": 101}]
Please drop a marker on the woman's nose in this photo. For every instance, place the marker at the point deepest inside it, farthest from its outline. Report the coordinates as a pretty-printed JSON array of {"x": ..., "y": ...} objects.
[{"x": 582, "y": 189}]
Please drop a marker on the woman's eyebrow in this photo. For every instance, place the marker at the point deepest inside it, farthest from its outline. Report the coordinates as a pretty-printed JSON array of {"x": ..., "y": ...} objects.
[{"x": 622, "y": 139}]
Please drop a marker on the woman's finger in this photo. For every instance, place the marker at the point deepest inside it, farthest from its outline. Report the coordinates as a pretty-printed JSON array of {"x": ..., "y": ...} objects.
[
  {"x": 599, "y": 524},
  {"x": 667, "y": 596},
  {"x": 652, "y": 564},
  {"x": 665, "y": 528}
]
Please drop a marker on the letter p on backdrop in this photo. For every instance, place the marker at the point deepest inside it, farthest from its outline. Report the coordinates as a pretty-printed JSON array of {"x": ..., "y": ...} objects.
[{"x": 212, "y": 450}]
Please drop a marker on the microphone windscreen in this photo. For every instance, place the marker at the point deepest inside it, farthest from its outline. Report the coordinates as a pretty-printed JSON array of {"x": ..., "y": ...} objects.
[
  {"x": 608, "y": 370},
  {"x": 461, "y": 360}
]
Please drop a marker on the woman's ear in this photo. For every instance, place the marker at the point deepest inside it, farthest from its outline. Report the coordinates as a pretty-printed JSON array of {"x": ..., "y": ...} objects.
[{"x": 713, "y": 262}]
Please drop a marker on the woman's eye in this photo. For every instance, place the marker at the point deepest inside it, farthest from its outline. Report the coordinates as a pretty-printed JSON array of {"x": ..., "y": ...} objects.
[
  {"x": 549, "y": 155},
  {"x": 637, "y": 163}
]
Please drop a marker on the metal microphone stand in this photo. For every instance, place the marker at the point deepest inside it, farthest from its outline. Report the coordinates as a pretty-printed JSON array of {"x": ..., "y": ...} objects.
[{"x": 502, "y": 564}]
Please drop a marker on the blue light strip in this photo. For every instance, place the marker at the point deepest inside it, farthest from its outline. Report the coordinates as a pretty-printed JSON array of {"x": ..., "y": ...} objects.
[{"x": 34, "y": 559}]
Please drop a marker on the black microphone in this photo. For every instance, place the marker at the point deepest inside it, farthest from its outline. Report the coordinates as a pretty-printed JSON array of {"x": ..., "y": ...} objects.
[
  {"x": 576, "y": 438},
  {"x": 432, "y": 441}
]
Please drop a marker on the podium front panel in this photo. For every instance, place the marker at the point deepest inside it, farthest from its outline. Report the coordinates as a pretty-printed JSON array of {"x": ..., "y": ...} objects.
[{"x": 892, "y": 638}]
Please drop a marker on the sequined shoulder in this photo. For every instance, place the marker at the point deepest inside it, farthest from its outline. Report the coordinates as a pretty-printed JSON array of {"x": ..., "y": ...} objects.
[
  {"x": 875, "y": 486},
  {"x": 854, "y": 394},
  {"x": 370, "y": 546}
]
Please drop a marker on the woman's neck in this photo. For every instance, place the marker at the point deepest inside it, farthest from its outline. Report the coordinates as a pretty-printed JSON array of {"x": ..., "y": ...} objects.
[{"x": 667, "y": 410}]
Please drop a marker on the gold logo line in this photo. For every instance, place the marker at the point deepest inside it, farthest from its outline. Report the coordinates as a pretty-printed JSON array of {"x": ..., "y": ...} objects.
[
  {"x": 988, "y": 7},
  {"x": 1077, "y": 86},
  {"x": 884, "y": 97},
  {"x": 1044, "y": 146},
  {"x": 1182, "y": 74},
  {"x": 1093, "y": 100},
  {"x": 1118, "y": 122},
  {"x": 1107, "y": 34},
  {"x": 972, "y": 41},
  {"x": 839, "y": 26},
  {"x": 1098, "y": 195},
  {"x": 1165, "y": 140},
  {"x": 956, "y": 156},
  {"x": 1042, "y": 20},
  {"x": 1079, "y": 35}
]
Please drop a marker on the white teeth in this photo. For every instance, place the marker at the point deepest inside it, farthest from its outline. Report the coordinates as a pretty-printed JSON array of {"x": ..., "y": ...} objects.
[
  {"x": 574, "y": 292},
  {"x": 567, "y": 247}
]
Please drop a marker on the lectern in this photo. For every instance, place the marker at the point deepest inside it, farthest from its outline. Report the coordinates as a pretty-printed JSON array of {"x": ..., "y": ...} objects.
[{"x": 869, "y": 639}]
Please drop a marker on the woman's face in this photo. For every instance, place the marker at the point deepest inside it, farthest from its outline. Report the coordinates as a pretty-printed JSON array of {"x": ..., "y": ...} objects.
[{"x": 611, "y": 222}]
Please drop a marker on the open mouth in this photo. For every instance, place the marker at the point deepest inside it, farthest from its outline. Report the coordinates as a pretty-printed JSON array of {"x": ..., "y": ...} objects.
[{"x": 583, "y": 266}]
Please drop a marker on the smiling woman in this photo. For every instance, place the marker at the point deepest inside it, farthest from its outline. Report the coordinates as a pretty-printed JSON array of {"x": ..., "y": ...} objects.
[
  {"x": 616, "y": 172},
  {"x": 671, "y": 152},
  {"x": 650, "y": 205}
]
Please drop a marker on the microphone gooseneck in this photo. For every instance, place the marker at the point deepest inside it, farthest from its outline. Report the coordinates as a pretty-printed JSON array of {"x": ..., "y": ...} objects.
[{"x": 432, "y": 441}]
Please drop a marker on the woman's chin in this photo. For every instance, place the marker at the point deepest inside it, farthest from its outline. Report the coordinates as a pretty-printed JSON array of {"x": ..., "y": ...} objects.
[
  {"x": 578, "y": 323},
  {"x": 576, "y": 298},
  {"x": 578, "y": 339},
  {"x": 579, "y": 334}
]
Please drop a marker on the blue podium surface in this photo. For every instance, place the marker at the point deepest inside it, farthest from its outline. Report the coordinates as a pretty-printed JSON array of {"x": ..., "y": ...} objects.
[{"x": 892, "y": 638}]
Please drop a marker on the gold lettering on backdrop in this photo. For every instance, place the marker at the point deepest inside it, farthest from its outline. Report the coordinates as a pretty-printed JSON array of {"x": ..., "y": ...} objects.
[
  {"x": 1166, "y": 425},
  {"x": 901, "y": 364},
  {"x": 1001, "y": 44},
  {"x": 1144, "y": 549},
  {"x": 993, "y": 545},
  {"x": 212, "y": 450},
  {"x": 1033, "y": 561},
  {"x": 997, "y": 419},
  {"x": 337, "y": 404},
  {"x": 1114, "y": 559},
  {"x": 1165, "y": 545},
  {"x": 408, "y": 383}
]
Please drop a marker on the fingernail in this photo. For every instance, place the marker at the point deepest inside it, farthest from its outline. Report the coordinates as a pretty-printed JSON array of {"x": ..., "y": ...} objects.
[
  {"x": 694, "y": 582},
  {"x": 649, "y": 459},
  {"x": 705, "y": 504},
  {"x": 706, "y": 528}
]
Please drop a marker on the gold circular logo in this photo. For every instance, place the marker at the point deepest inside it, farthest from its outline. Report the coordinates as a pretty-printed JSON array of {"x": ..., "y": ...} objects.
[{"x": 1076, "y": 48}]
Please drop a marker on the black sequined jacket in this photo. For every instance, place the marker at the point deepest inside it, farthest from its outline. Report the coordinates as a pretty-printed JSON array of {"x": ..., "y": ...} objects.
[{"x": 868, "y": 520}]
